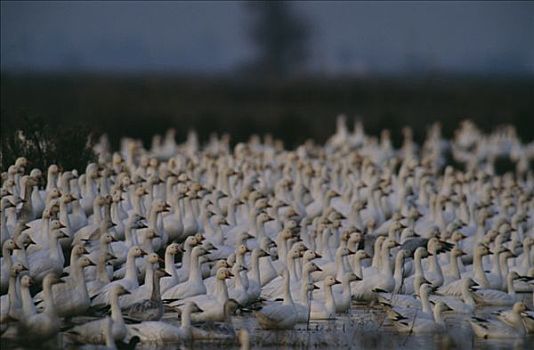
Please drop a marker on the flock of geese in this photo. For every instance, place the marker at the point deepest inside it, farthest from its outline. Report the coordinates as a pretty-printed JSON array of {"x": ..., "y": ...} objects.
[{"x": 166, "y": 245}]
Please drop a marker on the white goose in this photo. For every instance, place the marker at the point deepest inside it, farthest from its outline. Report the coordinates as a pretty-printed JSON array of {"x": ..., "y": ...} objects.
[
  {"x": 91, "y": 332},
  {"x": 495, "y": 328}
]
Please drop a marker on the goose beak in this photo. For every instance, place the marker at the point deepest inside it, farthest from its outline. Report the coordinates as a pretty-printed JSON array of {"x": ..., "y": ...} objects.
[
  {"x": 315, "y": 287},
  {"x": 337, "y": 282},
  {"x": 143, "y": 253},
  {"x": 91, "y": 263}
]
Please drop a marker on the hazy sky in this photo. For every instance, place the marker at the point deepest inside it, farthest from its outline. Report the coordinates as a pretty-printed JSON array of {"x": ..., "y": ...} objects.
[{"x": 211, "y": 37}]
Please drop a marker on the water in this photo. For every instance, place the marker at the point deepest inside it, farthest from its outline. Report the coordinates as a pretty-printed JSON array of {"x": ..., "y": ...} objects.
[{"x": 363, "y": 328}]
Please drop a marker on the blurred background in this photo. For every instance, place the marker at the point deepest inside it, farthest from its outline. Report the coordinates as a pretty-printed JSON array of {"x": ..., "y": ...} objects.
[{"x": 285, "y": 68}]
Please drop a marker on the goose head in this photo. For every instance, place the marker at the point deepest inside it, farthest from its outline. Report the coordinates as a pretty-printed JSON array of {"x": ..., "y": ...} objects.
[
  {"x": 519, "y": 307},
  {"x": 150, "y": 233},
  {"x": 152, "y": 258},
  {"x": 199, "y": 251},
  {"x": 456, "y": 252},
  {"x": 220, "y": 221},
  {"x": 469, "y": 284},
  {"x": 51, "y": 279},
  {"x": 17, "y": 268},
  {"x": 192, "y": 307},
  {"x": 119, "y": 290},
  {"x": 10, "y": 245},
  {"x": 26, "y": 281},
  {"x": 420, "y": 253},
  {"x": 136, "y": 252},
  {"x": 263, "y": 218},
  {"x": 55, "y": 229},
  {"x": 330, "y": 281},
  {"x": 441, "y": 307},
  {"x": 199, "y": 237},
  {"x": 140, "y": 192},
  {"x": 78, "y": 250},
  {"x": 160, "y": 273},
  {"x": 425, "y": 289},
  {"x": 343, "y": 251},
  {"x": 242, "y": 250},
  {"x": 482, "y": 250},
  {"x": 390, "y": 243},
  {"x": 160, "y": 206},
  {"x": 173, "y": 249},
  {"x": 107, "y": 238},
  {"x": 84, "y": 261},
  {"x": 361, "y": 254},
  {"x": 259, "y": 253},
  {"x": 351, "y": 277},
  {"x": 457, "y": 236},
  {"x": 310, "y": 255}
]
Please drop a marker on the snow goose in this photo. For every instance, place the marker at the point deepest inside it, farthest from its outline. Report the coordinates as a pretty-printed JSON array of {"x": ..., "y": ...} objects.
[
  {"x": 6, "y": 231},
  {"x": 71, "y": 298},
  {"x": 279, "y": 315},
  {"x": 6, "y": 262},
  {"x": 384, "y": 281},
  {"x": 150, "y": 309},
  {"x": 211, "y": 304},
  {"x": 194, "y": 284},
  {"x": 144, "y": 291},
  {"x": 120, "y": 248},
  {"x": 478, "y": 274},
  {"x": 170, "y": 267},
  {"x": 129, "y": 282},
  {"x": 11, "y": 302},
  {"x": 50, "y": 260},
  {"x": 419, "y": 325},
  {"x": 467, "y": 303},
  {"x": 162, "y": 332},
  {"x": 493, "y": 297},
  {"x": 91, "y": 332},
  {"x": 44, "y": 325},
  {"x": 222, "y": 330},
  {"x": 495, "y": 328},
  {"x": 326, "y": 309}
]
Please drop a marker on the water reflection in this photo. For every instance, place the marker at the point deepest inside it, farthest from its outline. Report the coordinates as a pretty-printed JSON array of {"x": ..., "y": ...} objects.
[{"x": 362, "y": 328}]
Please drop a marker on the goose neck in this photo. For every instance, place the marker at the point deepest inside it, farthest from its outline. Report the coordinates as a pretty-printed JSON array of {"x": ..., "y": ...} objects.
[
  {"x": 438, "y": 316},
  {"x": 288, "y": 300},
  {"x": 221, "y": 291},
  {"x": 170, "y": 267},
  {"x": 425, "y": 302},
  {"x": 131, "y": 273},
  {"x": 454, "y": 270},
  {"x": 116, "y": 314},
  {"x": 28, "y": 308},
  {"x": 467, "y": 296},
  {"x": 510, "y": 284},
  {"x": 480, "y": 275}
]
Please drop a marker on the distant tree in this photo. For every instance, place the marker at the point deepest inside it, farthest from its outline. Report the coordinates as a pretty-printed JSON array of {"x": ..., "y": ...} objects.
[
  {"x": 43, "y": 144},
  {"x": 280, "y": 36}
]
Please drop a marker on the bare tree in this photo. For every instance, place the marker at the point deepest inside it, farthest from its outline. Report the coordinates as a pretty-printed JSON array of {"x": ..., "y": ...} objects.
[{"x": 280, "y": 36}]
